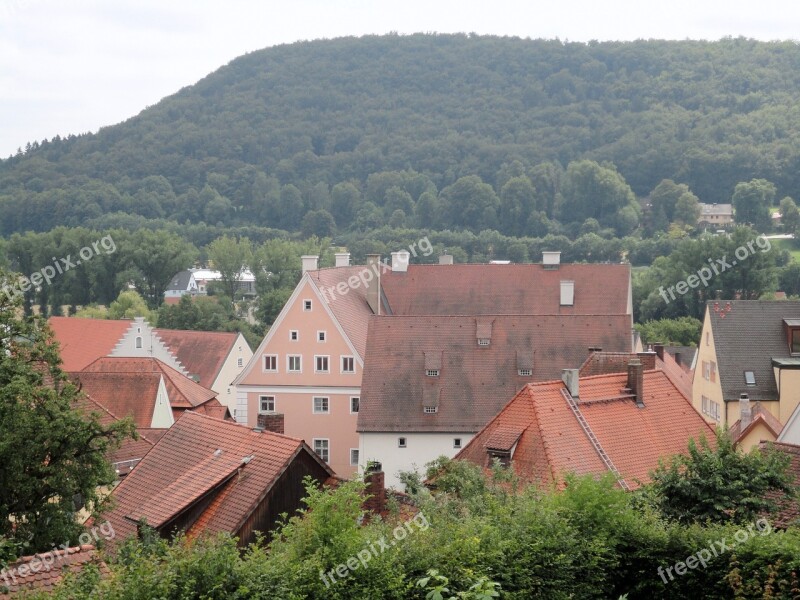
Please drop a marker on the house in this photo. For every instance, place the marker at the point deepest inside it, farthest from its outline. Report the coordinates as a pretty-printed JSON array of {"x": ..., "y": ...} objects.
[
  {"x": 310, "y": 365},
  {"x": 194, "y": 282},
  {"x": 213, "y": 359},
  {"x": 41, "y": 573},
  {"x": 749, "y": 354},
  {"x": 715, "y": 215},
  {"x": 618, "y": 423},
  {"x": 206, "y": 475}
]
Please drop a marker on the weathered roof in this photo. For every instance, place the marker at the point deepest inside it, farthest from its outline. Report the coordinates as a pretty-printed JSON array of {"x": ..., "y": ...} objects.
[
  {"x": 180, "y": 281},
  {"x": 42, "y": 572},
  {"x": 196, "y": 457},
  {"x": 82, "y": 341},
  {"x": 758, "y": 414},
  {"x": 788, "y": 508},
  {"x": 747, "y": 337},
  {"x": 474, "y": 381},
  {"x": 554, "y": 443},
  {"x": 514, "y": 289},
  {"x": 201, "y": 353},
  {"x": 716, "y": 209}
]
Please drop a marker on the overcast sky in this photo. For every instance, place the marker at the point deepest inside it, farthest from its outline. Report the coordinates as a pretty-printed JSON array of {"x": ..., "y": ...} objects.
[{"x": 71, "y": 66}]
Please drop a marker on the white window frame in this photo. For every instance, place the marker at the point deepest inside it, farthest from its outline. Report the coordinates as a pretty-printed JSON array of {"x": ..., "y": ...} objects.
[
  {"x": 307, "y": 305},
  {"x": 294, "y": 335},
  {"x": 525, "y": 372},
  {"x": 432, "y": 372},
  {"x": 314, "y": 405},
  {"x": 289, "y": 358},
  {"x": 264, "y": 358},
  {"x": 458, "y": 443},
  {"x": 354, "y": 463},
  {"x": 327, "y": 448},
  {"x": 402, "y": 442},
  {"x": 342, "y": 370},
  {"x": 322, "y": 336},
  {"x": 239, "y": 362},
  {"x": 357, "y": 399},
  {"x": 317, "y": 358},
  {"x": 430, "y": 410},
  {"x": 261, "y": 410}
]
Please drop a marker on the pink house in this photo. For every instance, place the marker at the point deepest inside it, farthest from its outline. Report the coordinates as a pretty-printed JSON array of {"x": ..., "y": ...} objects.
[{"x": 308, "y": 367}]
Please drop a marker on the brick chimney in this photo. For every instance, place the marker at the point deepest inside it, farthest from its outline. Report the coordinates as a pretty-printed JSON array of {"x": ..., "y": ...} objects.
[
  {"x": 376, "y": 489},
  {"x": 271, "y": 422},
  {"x": 374, "y": 284},
  {"x": 636, "y": 380},
  {"x": 745, "y": 412},
  {"x": 648, "y": 359},
  {"x": 659, "y": 350}
]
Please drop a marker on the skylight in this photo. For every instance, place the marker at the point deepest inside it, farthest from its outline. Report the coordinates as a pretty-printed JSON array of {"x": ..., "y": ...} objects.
[{"x": 749, "y": 378}]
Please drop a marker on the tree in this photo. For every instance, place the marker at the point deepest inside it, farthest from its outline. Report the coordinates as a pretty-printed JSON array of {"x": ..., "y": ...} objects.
[
  {"x": 469, "y": 203},
  {"x": 157, "y": 256},
  {"x": 51, "y": 451},
  {"x": 683, "y": 331},
  {"x": 719, "y": 483},
  {"x": 318, "y": 222},
  {"x": 517, "y": 201},
  {"x": 752, "y": 200},
  {"x": 230, "y": 257},
  {"x": 687, "y": 210},
  {"x": 790, "y": 215}
]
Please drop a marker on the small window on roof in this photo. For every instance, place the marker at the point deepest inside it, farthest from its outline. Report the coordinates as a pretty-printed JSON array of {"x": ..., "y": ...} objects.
[{"x": 749, "y": 378}]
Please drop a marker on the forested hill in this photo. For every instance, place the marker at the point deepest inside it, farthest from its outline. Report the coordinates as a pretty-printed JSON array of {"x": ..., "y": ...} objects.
[{"x": 300, "y": 128}]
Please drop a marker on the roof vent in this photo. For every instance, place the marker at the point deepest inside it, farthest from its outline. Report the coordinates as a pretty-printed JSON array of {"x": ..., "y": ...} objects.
[
  {"x": 218, "y": 452},
  {"x": 400, "y": 261}
]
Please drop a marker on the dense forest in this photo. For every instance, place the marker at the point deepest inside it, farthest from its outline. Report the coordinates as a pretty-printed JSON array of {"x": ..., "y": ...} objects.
[{"x": 443, "y": 131}]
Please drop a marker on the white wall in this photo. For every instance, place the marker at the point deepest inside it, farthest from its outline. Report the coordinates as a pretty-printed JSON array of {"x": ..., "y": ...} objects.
[
  {"x": 223, "y": 384},
  {"x": 420, "y": 449},
  {"x": 152, "y": 346}
]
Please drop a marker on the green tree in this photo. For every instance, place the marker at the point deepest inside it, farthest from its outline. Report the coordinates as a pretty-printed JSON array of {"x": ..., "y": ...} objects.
[
  {"x": 157, "y": 256},
  {"x": 517, "y": 201},
  {"x": 719, "y": 483},
  {"x": 790, "y": 216},
  {"x": 683, "y": 331},
  {"x": 51, "y": 451},
  {"x": 687, "y": 210},
  {"x": 231, "y": 257},
  {"x": 469, "y": 203},
  {"x": 751, "y": 201},
  {"x": 318, "y": 222}
]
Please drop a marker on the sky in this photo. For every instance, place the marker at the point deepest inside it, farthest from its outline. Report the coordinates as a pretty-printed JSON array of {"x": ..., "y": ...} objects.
[{"x": 72, "y": 66}]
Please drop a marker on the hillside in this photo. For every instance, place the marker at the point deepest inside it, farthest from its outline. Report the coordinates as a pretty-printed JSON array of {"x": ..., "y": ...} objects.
[{"x": 266, "y": 139}]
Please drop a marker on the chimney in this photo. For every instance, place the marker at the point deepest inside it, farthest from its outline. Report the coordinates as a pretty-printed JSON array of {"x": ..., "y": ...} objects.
[
  {"x": 571, "y": 380},
  {"x": 375, "y": 488},
  {"x": 446, "y": 259},
  {"x": 309, "y": 262},
  {"x": 678, "y": 358},
  {"x": 551, "y": 259},
  {"x": 400, "y": 261},
  {"x": 648, "y": 359},
  {"x": 270, "y": 422},
  {"x": 745, "y": 412},
  {"x": 659, "y": 350},
  {"x": 567, "y": 293},
  {"x": 342, "y": 259},
  {"x": 374, "y": 285},
  {"x": 636, "y": 380}
]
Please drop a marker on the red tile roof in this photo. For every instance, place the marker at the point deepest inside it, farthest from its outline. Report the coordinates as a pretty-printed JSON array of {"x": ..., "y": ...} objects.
[
  {"x": 42, "y": 572},
  {"x": 182, "y": 391},
  {"x": 554, "y": 443},
  {"x": 192, "y": 459},
  {"x": 475, "y": 381},
  {"x": 758, "y": 414},
  {"x": 84, "y": 340},
  {"x": 201, "y": 353},
  {"x": 515, "y": 289},
  {"x": 122, "y": 394},
  {"x": 788, "y": 508}
]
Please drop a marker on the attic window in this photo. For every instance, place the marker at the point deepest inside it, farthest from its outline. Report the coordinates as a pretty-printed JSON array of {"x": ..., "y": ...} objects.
[
  {"x": 306, "y": 305},
  {"x": 401, "y": 442},
  {"x": 504, "y": 457},
  {"x": 749, "y": 378},
  {"x": 483, "y": 342},
  {"x": 138, "y": 341},
  {"x": 431, "y": 410},
  {"x": 432, "y": 372},
  {"x": 524, "y": 372}
]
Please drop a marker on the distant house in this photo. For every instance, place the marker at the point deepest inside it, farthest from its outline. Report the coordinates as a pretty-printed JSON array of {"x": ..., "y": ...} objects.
[
  {"x": 749, "y": 354},
  {"x": 618, "y": 423},
  {"x": 715, "y": 215},
  {"x": 41, "y": 573},
  {"x": 206, "y": 475},
  {"x": 195, "y": 282}
]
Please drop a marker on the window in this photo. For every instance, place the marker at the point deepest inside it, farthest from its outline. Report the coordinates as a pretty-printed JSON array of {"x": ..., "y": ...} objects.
[
  {"x": 138, "y": 341},
  {"x": 749, "y": 378},
  {"x": 321, "y": 406},
  {"x": 294, "y": 335},
  {"x": 795, "y": 341},
  {"x": 456, "y": 442},
  {"x": 306, "y": 305},
  {"x": 483, "y": 341},
  {"x": 524, "y": 372},
  {"x": 710, "y": 408},
  {"x": 401, "y": 442},
  {"x": 354, "y": 404},
  {"x": 294, "y": 363},
  {"x": 706, "y": 370},
  {"x": 271, "y": 363},
  {"x": 348, "y": 364},
  {"x": 322, "y": 448},
  {"x": 321, "y": 364},
  {"x": 240, "y": 362},
  {"x": 503, "y": 457},
  {"x": 266, "y": 404},
  {"x": 353, "y": 456},
  {"x": 430, "y": 410},
  {"x": 713, "y": 371},
  {"x": 320, "y": 336},
  {"x": 708, "y": 336},
  {"x": 432, "y": 372}
]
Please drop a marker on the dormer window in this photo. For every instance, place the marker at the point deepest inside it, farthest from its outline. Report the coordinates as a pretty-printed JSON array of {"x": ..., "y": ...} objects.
[
  {"x": 792, "y": 329},
  {"x": 749, "y": 378},
  {"x": 524, "y": 372},
  {"x": 432, "y": 372},
  {"x": 431, "y": 410},
  {"x": 483, "y": 341}
]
